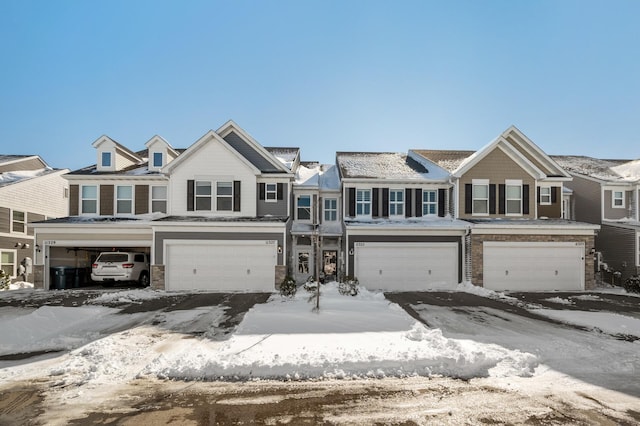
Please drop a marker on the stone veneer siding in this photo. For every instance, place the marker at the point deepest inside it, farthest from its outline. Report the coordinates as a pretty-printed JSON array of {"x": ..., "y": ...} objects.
[
  {"x": 477, "y": 252},
  {"x": 157, "y": 277}
]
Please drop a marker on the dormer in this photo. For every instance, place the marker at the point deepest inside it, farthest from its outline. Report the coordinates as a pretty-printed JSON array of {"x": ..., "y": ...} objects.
[
  {"x": 160, "y": 153},
  {"x": 111, "y": 156}
]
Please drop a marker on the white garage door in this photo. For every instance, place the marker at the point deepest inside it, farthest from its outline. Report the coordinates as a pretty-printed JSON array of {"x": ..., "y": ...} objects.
[
  {"x": 407, "y": 266},
  {"x": 221, "y": 265},
  {"x": 533, "y": 266}
]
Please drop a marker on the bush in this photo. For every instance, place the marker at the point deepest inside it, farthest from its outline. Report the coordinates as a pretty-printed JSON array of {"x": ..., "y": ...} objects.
[
  {"x": 348, "y": 286},
  {"x": 288, "y": 286},
  {"x": 5, "y": 280},
  {"x": 632, "y": 284}
]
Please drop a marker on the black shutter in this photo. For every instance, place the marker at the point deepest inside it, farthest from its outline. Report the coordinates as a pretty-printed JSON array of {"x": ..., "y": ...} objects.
[
  {"x": 280, "y": 191},
  {"x": 442, "y": 195},
  {"x": 351, "y": 200},
  {"x": 502, "y": 195},
  {"x": 190, "y": 195},
  {"x": 408, "y": 205},
  {"x": 236, "y": 195},
  {"x": 492, "y": 198},
  {"x": 385, "y": 202},
  {"x": 554, "y": 194},
  {"x": 261, "y": 191},
  {"x": 538, "y": 195},
  {"x": 374, "y": 202},
  {"x": 418, "y": 202},
  {"x": 525, "y": 199},
  {"x": 468, "y": 198}
]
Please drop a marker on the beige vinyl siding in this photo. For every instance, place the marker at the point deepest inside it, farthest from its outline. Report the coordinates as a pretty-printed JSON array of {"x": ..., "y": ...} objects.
[
  {"x": 5, "y": 220},
  {"x": 611, "y": 213},
  {"x": 26, "y": 164},
  {"x": 497, "y": 167},
  {"x": 553, "y": 210},
  {"x": 516, "y": 143},
  {"x": 33, "y": 217}
]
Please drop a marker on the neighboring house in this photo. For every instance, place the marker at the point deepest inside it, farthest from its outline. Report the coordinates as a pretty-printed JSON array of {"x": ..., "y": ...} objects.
[
  {"x": 607, "y": 192},
  {"x": 513, "y": 193},
  {"x": 30, "y": 191},
  {"x": 206, "y": 215},
  {"x": 399, "y": 231}
]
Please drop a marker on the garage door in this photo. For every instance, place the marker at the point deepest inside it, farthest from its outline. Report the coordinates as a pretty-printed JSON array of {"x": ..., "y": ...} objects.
[
  {"x": 533, "y": 266},
  {"x": 221, "y": 265},
  {"x": 407, "y": 266}
]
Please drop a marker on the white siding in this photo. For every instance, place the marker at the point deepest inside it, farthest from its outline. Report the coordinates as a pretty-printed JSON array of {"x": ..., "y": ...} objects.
[{"x": 43, "y": 195}]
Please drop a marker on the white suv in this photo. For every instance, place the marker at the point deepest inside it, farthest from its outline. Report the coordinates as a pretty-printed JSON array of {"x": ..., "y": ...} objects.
[{"x": 114, "y": 266}]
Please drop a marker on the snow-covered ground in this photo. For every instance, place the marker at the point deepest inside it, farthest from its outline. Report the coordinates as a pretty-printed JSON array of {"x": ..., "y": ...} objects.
[{"x": 365, "y": 336}]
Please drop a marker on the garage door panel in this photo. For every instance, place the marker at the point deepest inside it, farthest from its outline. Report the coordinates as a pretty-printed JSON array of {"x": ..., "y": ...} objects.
[
  {"x": 221, "y": 265},
  {"x": 533, "y": 266},
  {"x": 407, "y": 267}
]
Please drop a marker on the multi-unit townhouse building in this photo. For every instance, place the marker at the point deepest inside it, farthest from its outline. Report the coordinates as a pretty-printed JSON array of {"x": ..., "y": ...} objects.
[
  {"x": 30, "y": 191},
  {"x": 607, "y": 193},
  {"x": 228, "y": 214}
]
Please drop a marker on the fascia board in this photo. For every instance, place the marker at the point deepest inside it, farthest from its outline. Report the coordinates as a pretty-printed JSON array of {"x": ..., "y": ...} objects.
[{"x": 535, "y": 151}]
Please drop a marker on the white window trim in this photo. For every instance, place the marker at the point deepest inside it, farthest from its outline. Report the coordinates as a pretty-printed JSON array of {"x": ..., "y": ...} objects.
[
  {"x": 396, "y": 203},
  {"x": 196, "y": 196},
  {"x": 165, "y": 199},
  {"x": 15, "y": 261},
  {"x": 298, "y": 197},
  {"x": 333, "y": 209},
  {"x": 81, "y": 198},
  {"x": 364, "y": 203},
  {"x": 545, "y": 203},
  {"x": 507, "y": 184},
  {"x": 478, "y": 182},
  {"x": 102, "y": 157},
  {"x": 116, "y": 199},
  {"x": 613, "y": 199},
  {"x": 273, "y": 192},
  {"x": 24, "y": 222},
  {"x": 429, "y": 203},
  {"x": 217, "y": 196}
]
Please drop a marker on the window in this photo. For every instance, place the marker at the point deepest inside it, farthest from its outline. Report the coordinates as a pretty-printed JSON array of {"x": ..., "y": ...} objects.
[
  {"x": 8, "y": 262},
  {"x": 224, "y": 196},
  {"x": 203, "y": 195},
  {"x": 618, "y": 199},
  {"x": 158, "y": 199},
  {"x": 157, "y": 159},
  {"x": 429, "y": 203},
  {"x": 513, "y": 195},
  {"x": 124, "y": 199},
  {"x": 271, "y": 192},
  {"x": 396, "y": 202},
  {"x": 481, "y": 198},
  {"x": 304, "y": 207},
  {"x": 19, "y": 223},
  {"x": 106, "y": 159},
  {"x": 545, "y": 195},
  {"x": 330, "y": 209},
  {"x": 363, "y": 202},
  {"x": 89, "y": 201},
  {"x": 303, "y": 262}
]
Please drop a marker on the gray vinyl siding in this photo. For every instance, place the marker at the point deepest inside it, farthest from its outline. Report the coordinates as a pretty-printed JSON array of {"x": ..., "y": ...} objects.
[
  {"x": 160, "y": 238},
  {"x": 142, "y": 199},
  {"x": 5, "y": 220},
  {"x": 618, "y": 247},
  {"x": 248, "y": 152},
  {"x": 33, "y": 217},
  {"x": 274, "y": 208},
  {"x": 586, "y": 194},
  {"x": 352, "y": 239},
  {"x": 74, "y": 200},
  {"x": 611, "y": 213}
]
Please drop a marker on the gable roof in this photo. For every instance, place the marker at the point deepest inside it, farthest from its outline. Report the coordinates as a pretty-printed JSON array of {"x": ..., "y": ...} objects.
[
  {"x": 447, "y": 159},
  {"x": 9, "y": 163},
  {"x": 120, "y": 149},
  {"x": 386, "y": 165},
  {"x": 619, "y": 171}
]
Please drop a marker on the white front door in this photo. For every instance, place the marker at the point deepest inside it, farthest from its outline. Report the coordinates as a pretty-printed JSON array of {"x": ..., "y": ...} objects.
[
  {"x": 221, "y": 265},
  {"x": 407, "y": 266},
  {"x": 533, "y": 266}
]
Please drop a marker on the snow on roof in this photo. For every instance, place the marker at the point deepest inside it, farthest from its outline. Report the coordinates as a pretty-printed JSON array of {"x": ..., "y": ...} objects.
[
  {"x": 593, "y": 167},
  {"x": 8, "y": 158},
  {"x": 447, "y": 159},
  {"x": 307, "y": 176},
  {"x": 284, "y": 154},
  {"x": 383, "y": 165},
  {"x": 425, "y": 221},
  {"x": 8, "y": 178},
  {"x": 629, "y": 170},
  {"x": 329, "y": 178}
]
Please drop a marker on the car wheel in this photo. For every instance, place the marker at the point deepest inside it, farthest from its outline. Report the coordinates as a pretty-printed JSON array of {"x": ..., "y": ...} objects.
[{"x": 144, "y": 280}]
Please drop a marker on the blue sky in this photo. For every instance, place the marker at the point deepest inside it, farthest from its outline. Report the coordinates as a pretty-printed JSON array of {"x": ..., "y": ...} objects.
[{"x": 325, "y": 76}]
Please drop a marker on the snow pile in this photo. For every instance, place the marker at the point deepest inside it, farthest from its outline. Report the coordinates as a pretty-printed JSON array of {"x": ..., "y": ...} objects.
[
  {"x": 361, "y": 336},
  {"x": 127, "y": 297},
  {"x": 559, "y": 300},
  {"x": 15, "y": 176},
  {"x": 19, "y": 285},
  {"x": 607, "y": 322}
]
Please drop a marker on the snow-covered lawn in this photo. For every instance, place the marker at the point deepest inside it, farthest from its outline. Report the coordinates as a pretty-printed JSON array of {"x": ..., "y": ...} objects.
[{"x": 365, "y": 336}]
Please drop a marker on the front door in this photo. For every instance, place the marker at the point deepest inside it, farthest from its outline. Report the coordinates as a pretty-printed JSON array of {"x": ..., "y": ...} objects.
[{"x": 330, "y": 264}]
